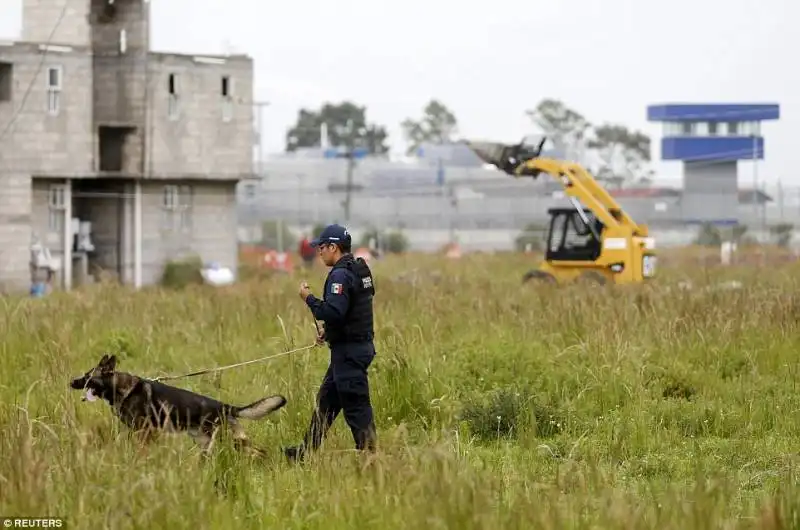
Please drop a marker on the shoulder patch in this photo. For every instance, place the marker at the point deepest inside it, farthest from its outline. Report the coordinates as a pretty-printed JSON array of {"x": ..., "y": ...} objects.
[
  {"x": 336, "y": 288},
  {"x": 366, "y": 282}
]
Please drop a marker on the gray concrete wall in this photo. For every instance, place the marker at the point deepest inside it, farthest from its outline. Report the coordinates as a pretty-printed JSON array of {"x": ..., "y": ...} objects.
[
  {"x": 15, "y": 232},
  {"x": 100, "y": 202},
  {"x": 39, "y": 18},
  {"x": 103, "y": 84},
  {"x": 404, "y": 195},
  {"x": 120, "y": 75},
  {"x": 432, "y": 212},
  {"x": 39, "y": 143},
  {"x": 210, "y": 232},
  {"x": 82, "y": 19},
  {"x": 397, "y": 195},
  {"x": 130, "y": 16},
  {"x": 711, "y": 191},
  {"x": 201, "y": 141},
  {"x": 46, "y": 225}
]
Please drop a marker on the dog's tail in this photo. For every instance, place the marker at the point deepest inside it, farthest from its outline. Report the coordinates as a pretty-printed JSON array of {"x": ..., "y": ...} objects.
[{"x": 259, "y": 409}]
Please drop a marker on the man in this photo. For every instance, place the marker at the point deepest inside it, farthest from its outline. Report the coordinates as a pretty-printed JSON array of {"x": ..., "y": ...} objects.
[
  {"x": 306, "y": 251},
  {"x": 346, "y": 310}
]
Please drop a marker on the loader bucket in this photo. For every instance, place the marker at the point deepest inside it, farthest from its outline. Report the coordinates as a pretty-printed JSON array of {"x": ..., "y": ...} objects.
[
  {"x": 490, "y": 152},
  {"x": 505, "y": 157}
]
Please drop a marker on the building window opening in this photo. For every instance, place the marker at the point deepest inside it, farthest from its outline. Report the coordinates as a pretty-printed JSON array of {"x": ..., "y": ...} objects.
[
  {"x": 172, "y": 86},
  {"x": 226, "y": 91},
  {"x": 54, "y": 86},
  {"x": 6, "y": 85}
]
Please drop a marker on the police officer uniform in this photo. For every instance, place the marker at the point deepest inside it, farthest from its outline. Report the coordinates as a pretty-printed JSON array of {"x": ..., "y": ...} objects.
[{"x": 346, "y": 310}]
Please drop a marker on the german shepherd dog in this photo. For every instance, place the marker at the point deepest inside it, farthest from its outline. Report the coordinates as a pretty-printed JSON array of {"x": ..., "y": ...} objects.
[{"x": 148, "y": 407}]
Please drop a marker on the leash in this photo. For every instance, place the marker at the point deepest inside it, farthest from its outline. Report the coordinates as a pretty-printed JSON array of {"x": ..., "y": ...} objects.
[
  {"x": 221, "y": 368},
  {"x": 262, "y": 359}
]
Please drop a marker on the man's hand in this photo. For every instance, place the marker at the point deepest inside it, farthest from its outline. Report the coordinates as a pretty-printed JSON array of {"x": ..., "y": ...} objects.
[
  {"x": 305, "y": 290},
  {"x": 321, "y": 337}
]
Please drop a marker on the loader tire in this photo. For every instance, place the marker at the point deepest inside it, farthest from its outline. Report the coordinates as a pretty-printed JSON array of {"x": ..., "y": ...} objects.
[{"x": 538, "y": 277}]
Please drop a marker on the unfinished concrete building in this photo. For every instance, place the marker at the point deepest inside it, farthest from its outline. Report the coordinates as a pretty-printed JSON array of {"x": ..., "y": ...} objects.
[{"x": 97, "y": 131}]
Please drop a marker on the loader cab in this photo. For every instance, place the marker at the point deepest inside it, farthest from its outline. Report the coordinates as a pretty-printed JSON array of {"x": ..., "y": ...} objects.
[{"x": 570, "y": 239}]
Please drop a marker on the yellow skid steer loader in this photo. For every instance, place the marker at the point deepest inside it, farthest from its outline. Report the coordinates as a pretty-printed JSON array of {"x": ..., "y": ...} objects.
[{"x": 595, "y": 240}]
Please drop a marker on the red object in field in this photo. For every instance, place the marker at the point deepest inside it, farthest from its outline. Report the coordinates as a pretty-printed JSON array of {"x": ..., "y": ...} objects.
[
  {"x": 453, "y": 251},
  {"x": 275, "y": 260},
  {"x": 305, "y": 250}
]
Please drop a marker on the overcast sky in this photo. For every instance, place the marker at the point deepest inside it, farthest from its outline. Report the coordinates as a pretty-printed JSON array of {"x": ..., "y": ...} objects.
[{"x": 490, "y": 61}]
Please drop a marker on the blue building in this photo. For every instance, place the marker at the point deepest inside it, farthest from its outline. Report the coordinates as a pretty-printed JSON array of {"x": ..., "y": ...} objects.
[{"x": 710, "y": 140}]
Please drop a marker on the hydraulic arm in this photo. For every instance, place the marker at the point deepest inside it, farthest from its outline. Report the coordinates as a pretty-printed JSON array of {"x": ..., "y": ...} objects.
[
  {"x": 610, "y": 247},
  {"x": 579, "y": 185}
]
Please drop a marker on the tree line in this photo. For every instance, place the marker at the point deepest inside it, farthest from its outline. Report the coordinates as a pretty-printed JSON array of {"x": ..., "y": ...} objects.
[{"x": 614, "y": 153}]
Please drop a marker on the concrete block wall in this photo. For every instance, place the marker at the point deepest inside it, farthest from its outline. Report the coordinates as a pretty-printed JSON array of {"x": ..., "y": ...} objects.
[
  {"x": 132, "y": 16},
  {"x": 119, "y": 88},
  {"x": 120, "y": 75},
  {"x": 101, "y": 83},
  {"x": 108, "y": 204},
  {"x": 200, "y": 141},
  {"x": 15, "y": 232},
  {"x": 51, "y": 236},
  {"x": 39, "y": 18},
  {"x": 83, "y": 22},
  {"x": 711, "y": 191},
  {"x": 211, "y": 233},
  {"x": 37, "y": 142},
  {"x": 99, "y": 202}
]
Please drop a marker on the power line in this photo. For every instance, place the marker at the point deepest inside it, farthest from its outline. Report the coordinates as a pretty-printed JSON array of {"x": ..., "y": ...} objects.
[{"x": 38, "y": 70}]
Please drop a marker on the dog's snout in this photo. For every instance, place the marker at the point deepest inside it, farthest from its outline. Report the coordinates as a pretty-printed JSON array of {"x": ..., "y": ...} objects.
[{"x": 77, "y": 383}]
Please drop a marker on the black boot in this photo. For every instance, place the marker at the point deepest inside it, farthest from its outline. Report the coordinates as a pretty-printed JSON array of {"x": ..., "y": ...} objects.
[
  {"x": 366, "y": 440},
  {"x": 294, "y": 454},
  {"x": 317, "y": 428}
]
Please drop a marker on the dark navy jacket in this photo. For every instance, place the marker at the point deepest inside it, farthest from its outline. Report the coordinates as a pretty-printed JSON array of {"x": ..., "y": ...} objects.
[{"x": 346, "y": 307}]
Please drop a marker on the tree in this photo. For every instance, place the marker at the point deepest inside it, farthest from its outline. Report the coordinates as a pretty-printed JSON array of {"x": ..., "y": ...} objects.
[
  {"x": 782, "y": 233},
  {"x": 713, "y": 236},
  {"x": 438, "y": 125},
  {"x": 565, "y": 127},
  {"x": 625, "y": 154},
  {"x": 276, "y": 235},
  {"x": 386, "y": 241},
  {"x": 342, "y": 120}
]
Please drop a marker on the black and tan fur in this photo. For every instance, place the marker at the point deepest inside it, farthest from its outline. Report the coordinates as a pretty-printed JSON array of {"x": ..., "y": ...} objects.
[{"x": 148, "y": 406}]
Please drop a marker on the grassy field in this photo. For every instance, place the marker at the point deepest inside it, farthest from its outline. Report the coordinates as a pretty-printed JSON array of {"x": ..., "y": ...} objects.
[{"x": 497, "y": 406}]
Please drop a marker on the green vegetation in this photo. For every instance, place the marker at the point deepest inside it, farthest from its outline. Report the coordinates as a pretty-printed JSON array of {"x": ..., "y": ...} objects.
[{"x": 497, "y": 406}]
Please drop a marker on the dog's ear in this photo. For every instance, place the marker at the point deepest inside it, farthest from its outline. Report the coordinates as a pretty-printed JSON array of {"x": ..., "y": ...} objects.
[
  {"x": 111, "y": 364},
  {"x": 108, "y": 364}
]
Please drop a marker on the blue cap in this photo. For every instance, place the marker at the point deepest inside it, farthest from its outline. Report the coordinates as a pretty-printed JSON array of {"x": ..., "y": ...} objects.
[{"x": 332, "y": 234}]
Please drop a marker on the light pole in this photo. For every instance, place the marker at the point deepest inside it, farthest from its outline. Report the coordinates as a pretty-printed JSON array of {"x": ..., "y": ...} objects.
[{"x": 259, "y": 106}]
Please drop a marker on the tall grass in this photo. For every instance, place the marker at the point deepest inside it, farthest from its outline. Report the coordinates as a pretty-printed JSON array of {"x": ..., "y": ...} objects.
[{"x": 498, "y": 405}]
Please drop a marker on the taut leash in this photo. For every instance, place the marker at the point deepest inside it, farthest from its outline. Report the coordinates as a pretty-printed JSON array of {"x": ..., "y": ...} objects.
[{"x": 221, "y": 368}]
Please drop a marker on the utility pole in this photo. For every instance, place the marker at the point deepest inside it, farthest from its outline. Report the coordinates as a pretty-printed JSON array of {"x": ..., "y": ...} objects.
[
  {"x": 259, "y": 172},
  {"x": 347, "y": 198},
  {"x": 351, "y": 165},
  {"x": 755, "y": 177},
  {"x": 349, "y": 134},
  {"x": 259, "y": 106}
]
